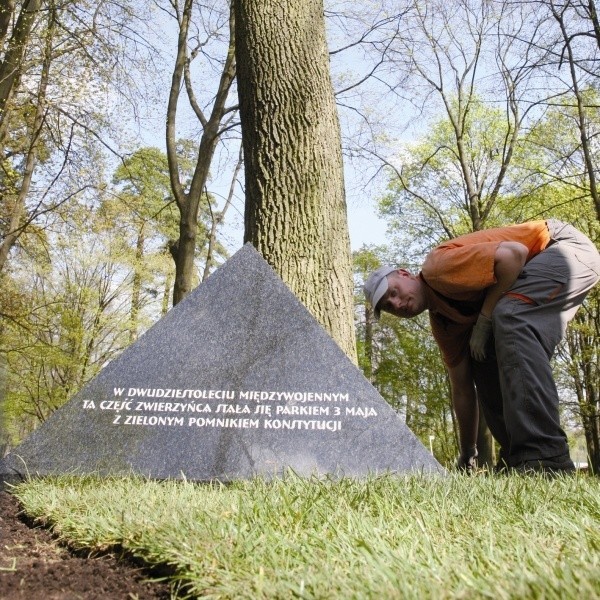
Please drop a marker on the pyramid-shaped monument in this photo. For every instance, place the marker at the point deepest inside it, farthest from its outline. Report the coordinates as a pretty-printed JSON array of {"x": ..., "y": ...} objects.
[{"x": 237, "y": 380}]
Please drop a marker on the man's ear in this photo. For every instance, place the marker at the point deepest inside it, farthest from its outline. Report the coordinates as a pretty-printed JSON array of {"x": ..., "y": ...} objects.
[{"x": 403, "y": 272}]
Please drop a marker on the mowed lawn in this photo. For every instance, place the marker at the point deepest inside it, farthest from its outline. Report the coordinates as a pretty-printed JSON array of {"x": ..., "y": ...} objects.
[{"x": 383, "y": 537}]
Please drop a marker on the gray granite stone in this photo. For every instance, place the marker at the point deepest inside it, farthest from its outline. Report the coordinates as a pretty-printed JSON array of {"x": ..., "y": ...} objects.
[{"x": 235, "y": 381}]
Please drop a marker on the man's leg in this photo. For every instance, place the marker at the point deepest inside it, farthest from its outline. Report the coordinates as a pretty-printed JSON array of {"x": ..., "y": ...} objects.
[
  {"x": 529, "y": 322},
  {"x": 489, "y": 394}
]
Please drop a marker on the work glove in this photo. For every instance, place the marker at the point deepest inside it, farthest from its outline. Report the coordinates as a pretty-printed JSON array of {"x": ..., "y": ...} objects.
[
  {"x": 467, "y": 461},
  {"x": 480, "y": 336}
]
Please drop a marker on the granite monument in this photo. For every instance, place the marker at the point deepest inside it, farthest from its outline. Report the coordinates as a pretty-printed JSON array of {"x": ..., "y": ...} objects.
[{"x": 237, "y": 380}]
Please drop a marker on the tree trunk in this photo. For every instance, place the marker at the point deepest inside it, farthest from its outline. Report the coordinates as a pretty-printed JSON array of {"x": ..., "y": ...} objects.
[
  {"x": 584, "y": 356},
  {"x": 7, "y": 13},
  {"x": 593, "y": 14},
  {"x": 136, "y": 287},
  {"x": 368, "y": 365},
  {"x": 15, "y": 228},
  {"x": 186, "y": 251},
  {"x": 586, "y": 142},
  {"x": 295, "y": 211},
  {"x": 218, "y": 218},
  {"x": 10, "y": 67},
  {"x": 183, "y": 252},
  {"x": 4, "y": 437},
  {"x": 166, "y": 295}
]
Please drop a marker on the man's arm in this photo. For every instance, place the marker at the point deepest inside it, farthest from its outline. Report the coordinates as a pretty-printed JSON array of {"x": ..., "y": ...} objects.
[
  {"x": 464, "y": 401},
  {"x": 509, "y": 261}
]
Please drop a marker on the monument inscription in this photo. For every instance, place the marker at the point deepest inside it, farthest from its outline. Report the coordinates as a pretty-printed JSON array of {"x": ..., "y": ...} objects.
[
  {"x": 290, "y": 410},
  {"x": 237, "y": 380}
]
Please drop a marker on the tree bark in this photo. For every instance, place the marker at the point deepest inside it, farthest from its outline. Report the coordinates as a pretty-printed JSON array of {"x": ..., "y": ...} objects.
[
  {"x": 136, "y": 287},
  {"x": 368, "y": 365},
  {"x": 295, "y": 212},
  {"x": 15, "y": 228},
  {"x": 184, "y": 250},
  {"x": 585, "y": 358},
  {"x": 561, "y": 19},
  {"x": 10, "y": 67}
]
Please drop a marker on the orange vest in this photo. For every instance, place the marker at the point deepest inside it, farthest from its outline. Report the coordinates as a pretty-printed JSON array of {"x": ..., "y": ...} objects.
[{"x": 456, "y": 274}]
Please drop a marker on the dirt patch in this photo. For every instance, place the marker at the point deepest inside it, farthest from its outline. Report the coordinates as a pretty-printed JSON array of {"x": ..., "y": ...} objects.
[{"x": 34, "y": 566}]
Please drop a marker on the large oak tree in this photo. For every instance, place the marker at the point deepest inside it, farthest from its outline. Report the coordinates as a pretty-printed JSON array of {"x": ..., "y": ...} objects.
[{"x": 295, "y": 211}]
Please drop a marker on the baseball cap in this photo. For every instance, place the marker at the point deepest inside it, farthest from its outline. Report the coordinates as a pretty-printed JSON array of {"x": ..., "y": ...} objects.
[{"x": 376, "y": 286}]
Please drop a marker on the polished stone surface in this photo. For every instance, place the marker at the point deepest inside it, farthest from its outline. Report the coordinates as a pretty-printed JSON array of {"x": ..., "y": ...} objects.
[{"x": 235, "y": 381}]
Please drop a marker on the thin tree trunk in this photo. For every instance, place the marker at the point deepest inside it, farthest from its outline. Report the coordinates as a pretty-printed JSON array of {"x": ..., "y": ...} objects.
[
  {"x": 591, "y": 9},
  {"x": 368, "y": 367},
  {"x": 217, "y": 219},
  {"x": 166, "y": 295},
  {"x": 136, "y": 288},
  {"x": 581, "y": 114},
  {"x": 10, "y": 67},
  {"x": 584, "y": 358},
  {"x": 184, "y": 250},
  {"x": 14, "y": 228},
  {"x": 7, "y": 11},
  {"x": 4, "y": 438}
]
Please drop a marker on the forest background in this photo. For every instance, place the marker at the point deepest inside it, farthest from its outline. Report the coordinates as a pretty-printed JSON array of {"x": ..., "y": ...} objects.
[{"x": 119, "y": 122}]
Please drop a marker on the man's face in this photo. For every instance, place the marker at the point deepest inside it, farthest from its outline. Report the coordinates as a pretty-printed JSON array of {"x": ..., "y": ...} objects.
[{"x": 405, "y": 296}]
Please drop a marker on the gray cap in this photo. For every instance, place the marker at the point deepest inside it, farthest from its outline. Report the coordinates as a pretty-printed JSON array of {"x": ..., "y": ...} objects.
[{"x": 376, "y": 286}]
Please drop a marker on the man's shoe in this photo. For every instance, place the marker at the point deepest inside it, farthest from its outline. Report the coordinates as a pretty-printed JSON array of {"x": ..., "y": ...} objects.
[{"x": 554, "y": 465}]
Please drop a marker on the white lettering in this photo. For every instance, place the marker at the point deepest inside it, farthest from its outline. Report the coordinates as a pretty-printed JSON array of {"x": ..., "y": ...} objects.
[
  {"x": 260, "y": 396},
  {"x": 358, "y": 411},
  {"x": 233, "y": 409},
  {"x": 301, "y": 424},
  {"x": 228, "y": 423},
  {"x": 116, "y": 405},
  {"x": 310, "y": 411},
  {"x": 153, "y": 420},
  {"x": 177, "y": 393}
]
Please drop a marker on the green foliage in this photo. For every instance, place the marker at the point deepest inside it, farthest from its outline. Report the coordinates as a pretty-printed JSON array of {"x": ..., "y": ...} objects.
[
  {"x": 428, "y": 202},
  {"x": 386, "y": 537},
  {"x": 551, "y": 161},
  {"x": 429, "y": 198},
  {"x": 404, "y": 364},
  {"x": 142, "y": 209},
  {"x": 142, "y": 195},
  {"x": 63, "y": 322},
  {"x": 84, "y": 287},
  {"x": 411, "y": 376}
]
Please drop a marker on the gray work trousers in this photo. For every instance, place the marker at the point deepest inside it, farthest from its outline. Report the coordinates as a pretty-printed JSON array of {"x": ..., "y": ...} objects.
[{"x": 515, "y": 386}]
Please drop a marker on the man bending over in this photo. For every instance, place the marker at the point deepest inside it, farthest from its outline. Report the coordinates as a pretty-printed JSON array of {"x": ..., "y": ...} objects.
[{"x": 499, "y": 302}]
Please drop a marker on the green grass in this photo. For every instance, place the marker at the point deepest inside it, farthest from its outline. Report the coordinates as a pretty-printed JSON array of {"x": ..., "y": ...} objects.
[{"x": 386, "y": 537}]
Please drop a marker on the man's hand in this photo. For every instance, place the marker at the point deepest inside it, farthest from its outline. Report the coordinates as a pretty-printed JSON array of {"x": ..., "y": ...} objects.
[
  {"x": 480, "y": 336},
  {"x": 467, "y": 461}
]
